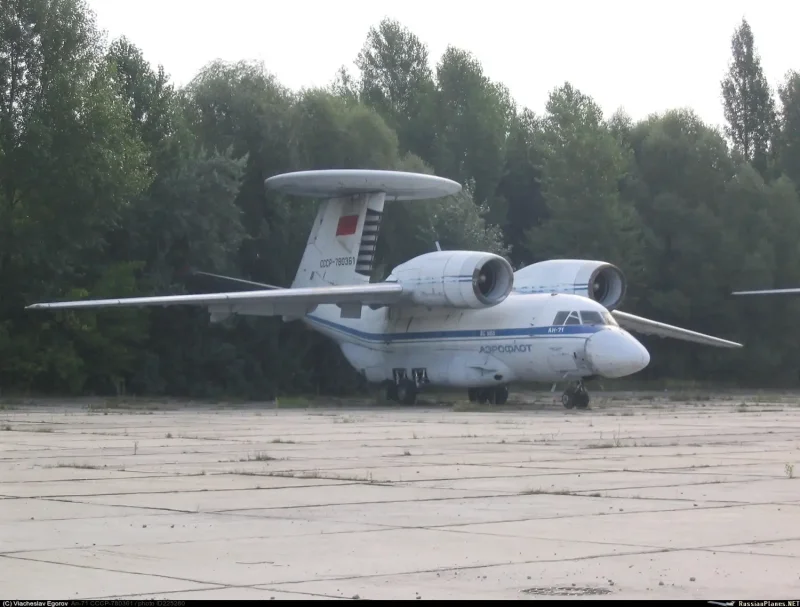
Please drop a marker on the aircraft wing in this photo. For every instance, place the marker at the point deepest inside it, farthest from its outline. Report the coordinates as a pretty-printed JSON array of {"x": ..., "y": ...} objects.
[
  {"x": 651, "y": 327},
  {"x": 272, "y": 302},
  {"x": 769, "y": 292}
]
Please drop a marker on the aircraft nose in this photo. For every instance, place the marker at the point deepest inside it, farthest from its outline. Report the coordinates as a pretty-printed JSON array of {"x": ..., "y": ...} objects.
[{"x": 616, "y": 353}]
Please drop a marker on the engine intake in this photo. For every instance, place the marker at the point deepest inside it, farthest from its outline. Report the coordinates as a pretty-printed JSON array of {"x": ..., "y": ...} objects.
[
  {"x": 597, "y": 280},
  {"x": 459, "y": 279}
]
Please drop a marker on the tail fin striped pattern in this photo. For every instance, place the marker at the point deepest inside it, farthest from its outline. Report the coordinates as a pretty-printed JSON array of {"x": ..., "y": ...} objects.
[{"x": 369, "y": 241}]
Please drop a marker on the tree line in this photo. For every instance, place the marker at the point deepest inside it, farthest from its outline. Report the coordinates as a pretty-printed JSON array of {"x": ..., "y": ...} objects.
[{"x": 114, "y": 182}]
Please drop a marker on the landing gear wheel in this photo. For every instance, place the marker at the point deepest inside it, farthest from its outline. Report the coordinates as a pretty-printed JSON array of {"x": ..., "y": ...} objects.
[
  {"x": 582, "y": 399},
  {"x": 407, "y": 392},
  {"x": 493, "y": 396},
  {"x": 391, "y": 392},
  {"x": 576, "y": 396}
]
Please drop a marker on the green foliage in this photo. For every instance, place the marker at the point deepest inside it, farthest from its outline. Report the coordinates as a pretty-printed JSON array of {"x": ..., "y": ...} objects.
[
  {"x": 115, "y": 183},
  {"x": 583, "y": 163},
  {"x": 787, "y": 142},
  {"x": 749, "y": 105},
  {"x": 396, "y": 80}
]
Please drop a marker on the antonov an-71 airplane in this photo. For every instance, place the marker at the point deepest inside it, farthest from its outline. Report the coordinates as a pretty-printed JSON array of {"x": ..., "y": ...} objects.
[{"x": 445, "y": 318}]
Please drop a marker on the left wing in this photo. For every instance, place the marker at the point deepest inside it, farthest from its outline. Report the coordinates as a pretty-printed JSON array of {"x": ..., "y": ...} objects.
[
  {"x": 293, "y": 303},
  {"x": 651, "y": 327}
]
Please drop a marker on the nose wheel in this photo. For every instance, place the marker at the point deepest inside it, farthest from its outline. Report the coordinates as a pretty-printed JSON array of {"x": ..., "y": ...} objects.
[{"x": 576, "y": 397}]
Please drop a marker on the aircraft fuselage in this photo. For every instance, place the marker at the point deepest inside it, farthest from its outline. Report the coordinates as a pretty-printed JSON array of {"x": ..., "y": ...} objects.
[{"x": 525, "y": 338}]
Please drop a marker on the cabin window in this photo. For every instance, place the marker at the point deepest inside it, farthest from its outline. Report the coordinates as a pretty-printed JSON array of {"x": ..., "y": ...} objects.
[
  {"x": 591, "y": 318},
  {"x": 560, "y": 318},
  {"x": 573, "y": 319}
]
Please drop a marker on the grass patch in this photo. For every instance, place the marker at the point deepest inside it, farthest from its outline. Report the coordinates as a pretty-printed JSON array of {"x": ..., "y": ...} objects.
[
  {"x": 330, "y": 476},
  {"x": 294, "y": 402},
  {"x": 472, "y": 408},
  {"x": 261, "y": 456},
  {"x": 547, "y": 492}
]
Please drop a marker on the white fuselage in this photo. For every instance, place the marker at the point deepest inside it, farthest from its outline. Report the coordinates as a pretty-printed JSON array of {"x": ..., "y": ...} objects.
[{"x": 518, "y": 340}]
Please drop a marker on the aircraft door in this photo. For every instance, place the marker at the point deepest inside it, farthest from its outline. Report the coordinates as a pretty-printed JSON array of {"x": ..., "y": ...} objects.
[
  {"x": 560, "y": 349},
  {"x": 560, "y": 357}
]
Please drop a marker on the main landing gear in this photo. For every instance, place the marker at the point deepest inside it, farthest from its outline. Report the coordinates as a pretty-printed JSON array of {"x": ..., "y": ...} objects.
[
  {"x": 404, "y": 391},
  {"x": 496, "y": 395},
  {"x": 576, "y": 396}
]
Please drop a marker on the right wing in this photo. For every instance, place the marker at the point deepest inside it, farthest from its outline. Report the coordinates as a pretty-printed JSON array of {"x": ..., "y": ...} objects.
[
  {"x": 769, "y": 292},
  {"x": 652, "y": 327},
  {"x": 293, "y": 303}
]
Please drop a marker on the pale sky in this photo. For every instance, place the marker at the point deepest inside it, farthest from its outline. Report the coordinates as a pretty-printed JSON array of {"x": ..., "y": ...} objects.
[{"x": 642, "y": 56}]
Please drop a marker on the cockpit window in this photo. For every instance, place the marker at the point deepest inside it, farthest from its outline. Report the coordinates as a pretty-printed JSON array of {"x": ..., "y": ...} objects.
[
  {"x": 560, "y": 318},
  {"x": 591, "y": 318},
  {"x": 587, "y": 317}
]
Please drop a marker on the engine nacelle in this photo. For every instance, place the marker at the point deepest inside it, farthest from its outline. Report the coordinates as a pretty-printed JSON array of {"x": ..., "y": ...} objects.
[
  {"x": 597, "y": 280},
  {"x": 458, "y": 279}
]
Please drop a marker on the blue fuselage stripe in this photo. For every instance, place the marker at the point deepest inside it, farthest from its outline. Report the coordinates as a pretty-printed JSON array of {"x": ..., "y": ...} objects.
[{"x": 463, "y": 334}]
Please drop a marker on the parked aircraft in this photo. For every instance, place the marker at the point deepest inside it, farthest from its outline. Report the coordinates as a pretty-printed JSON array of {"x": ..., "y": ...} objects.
[{"x": 446, "y": 318}]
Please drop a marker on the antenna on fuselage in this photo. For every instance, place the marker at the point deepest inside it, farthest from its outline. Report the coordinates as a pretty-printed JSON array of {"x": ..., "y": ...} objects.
[{"x": 438, "y": 248}]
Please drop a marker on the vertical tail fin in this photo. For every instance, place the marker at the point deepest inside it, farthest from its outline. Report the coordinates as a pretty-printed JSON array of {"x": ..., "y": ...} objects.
[{"x": 341, "y": 247}]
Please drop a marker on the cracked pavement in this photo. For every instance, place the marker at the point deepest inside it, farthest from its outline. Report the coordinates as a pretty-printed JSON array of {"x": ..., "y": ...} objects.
[{"x": 641, "y": 497}]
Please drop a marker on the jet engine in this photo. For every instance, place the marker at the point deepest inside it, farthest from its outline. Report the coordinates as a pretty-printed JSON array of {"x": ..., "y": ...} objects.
[
  {"x": 597, "y": 280},
  {"x": 458, "y": 279}
]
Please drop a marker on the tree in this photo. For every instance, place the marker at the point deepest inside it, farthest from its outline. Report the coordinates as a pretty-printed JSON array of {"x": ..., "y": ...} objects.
[
  {"x": 520, "y": 186},
  {"x": 749, "y": 105},
  {"x": 70, "y": 163},
  {"x": 396, "y": 80},
  {"x": 582, "y": 166},
  {"x": 788, "y": 137},
  {"x": 680, "y": 189}
]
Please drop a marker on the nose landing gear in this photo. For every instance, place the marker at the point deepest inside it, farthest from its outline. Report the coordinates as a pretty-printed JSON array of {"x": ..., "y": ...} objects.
[{"x": 576, "y": 396}]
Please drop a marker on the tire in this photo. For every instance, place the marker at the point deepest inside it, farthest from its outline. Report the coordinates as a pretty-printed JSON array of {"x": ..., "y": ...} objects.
[
  {"x": 406, "y": 392},
  {"x": 501, "y": 395},
  {"x": 568, "y": 400}
]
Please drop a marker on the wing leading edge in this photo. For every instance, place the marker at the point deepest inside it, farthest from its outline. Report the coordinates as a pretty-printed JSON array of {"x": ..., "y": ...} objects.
[
  {"x": 769, "y": 292},
  {"x": 295, "y": 303},
  {"x": 651, "y": 327},
  {"x": 272, "y": 302}
]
